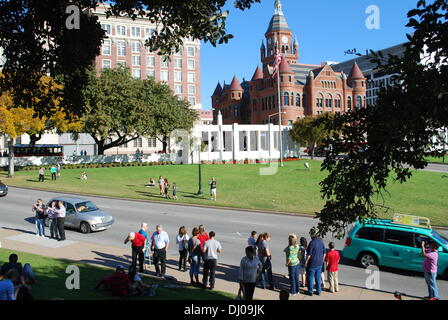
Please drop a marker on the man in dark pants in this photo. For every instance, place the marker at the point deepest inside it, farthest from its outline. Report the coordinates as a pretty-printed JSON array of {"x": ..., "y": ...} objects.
[
  {"x": 138, "y": 244},
  {"x": 159, "y": 244},
  {"x": 211, "y": 248},
  {"x": 60, "y": 211}
]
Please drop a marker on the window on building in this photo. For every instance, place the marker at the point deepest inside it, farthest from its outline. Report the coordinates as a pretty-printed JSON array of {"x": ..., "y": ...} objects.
[
  {"x": 337, "y": 102},
  {"x": 320, "y": 102},
  {"x": 150, "y": 73},
  {"x": 106, "y": 64},
  {"x": 106, "y": 48},
  {"x": 191, "y": 77},
  {"x": 135, "y": 32},
  {"x": 152, "y": 142},
  {"x": 297, "y": 100},
  {"x": 149, "y": 32},
  {"x": 164, "y": 75},
  {"x": 136, "y": 73},
  {"x": 191, "y": 64},
  {"x": 191, "y": 89},
  {"x": 136, "y": 60},
  {"x": 177, "y": 76},
  {"x": 178, "y": 52},
  {"x": 358, "y": 102},
  {"x": 164, "y": 62},
  {"x": 192, "y": 100},
  {"x": 107, "y": 28},
  {"x": 150, "y": 61},
  {"x": 138, "y": 143},
  {"x": 121, "y": 31},
  {"x": 178, "y": 63},
  {"x": 135, "y": 47},
  {"x": 328, "y": 103},
  {"x": 349, "y": 102},
  {"x": 286, "y": 99},
  {"x": 191, "y": 51},
  {"x": 148, "y": 50},
  {"x": 121, "y": 48},
  {"x": 178, "y": 89}
]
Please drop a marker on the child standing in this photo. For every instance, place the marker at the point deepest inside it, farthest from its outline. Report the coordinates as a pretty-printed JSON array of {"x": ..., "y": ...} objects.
[
  {"x": 174, "y": 191},
  {"x": 332, "y": 261}
]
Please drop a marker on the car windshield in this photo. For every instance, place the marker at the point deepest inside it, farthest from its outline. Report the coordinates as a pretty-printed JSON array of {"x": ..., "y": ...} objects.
[
  {"x": 86, "y": 206},
  {"x": 440, "y": 238}
]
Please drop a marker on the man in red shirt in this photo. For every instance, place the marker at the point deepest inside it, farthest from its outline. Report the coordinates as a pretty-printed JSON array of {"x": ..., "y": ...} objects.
[
  {"x": 138, "y": 244},
  {"x": 332, "y": 261},
  {"x": 117, "y": 283}
]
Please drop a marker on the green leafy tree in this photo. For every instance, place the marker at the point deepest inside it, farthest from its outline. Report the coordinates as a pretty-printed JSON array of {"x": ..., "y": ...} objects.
[
  {"x": 169, "y": 113},
  {"x": 309, "y": 131},
  {"x": 36, "y": 41},
  {"x": 122, "y": 109},
  {"x": 396, "y": 131}
]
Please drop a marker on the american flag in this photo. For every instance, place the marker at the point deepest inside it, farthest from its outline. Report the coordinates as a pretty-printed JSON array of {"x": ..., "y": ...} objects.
[{"x": 277, "y": 60}]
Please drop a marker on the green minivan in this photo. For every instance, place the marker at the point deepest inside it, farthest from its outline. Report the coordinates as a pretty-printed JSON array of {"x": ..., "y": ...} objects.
[{"x": 386, "y": 243}]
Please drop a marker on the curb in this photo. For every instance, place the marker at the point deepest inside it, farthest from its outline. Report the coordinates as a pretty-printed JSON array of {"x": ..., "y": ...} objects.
[{"x": 304, "y": 215}]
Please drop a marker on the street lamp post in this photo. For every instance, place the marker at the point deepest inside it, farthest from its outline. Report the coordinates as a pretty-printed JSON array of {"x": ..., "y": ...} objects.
[{"x": 200, "y": 192}]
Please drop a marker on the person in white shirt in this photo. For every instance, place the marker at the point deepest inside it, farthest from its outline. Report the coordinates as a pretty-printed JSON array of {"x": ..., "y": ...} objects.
[
  {"x": 250, "y": 269},
  {"x": 159, "y": 245},
  {"x": 182, "y": 241},
  {"x": 60, "y": 213}
]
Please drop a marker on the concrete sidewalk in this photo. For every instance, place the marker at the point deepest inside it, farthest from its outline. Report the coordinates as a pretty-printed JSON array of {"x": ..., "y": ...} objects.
[{"x": 112, "y": 256}]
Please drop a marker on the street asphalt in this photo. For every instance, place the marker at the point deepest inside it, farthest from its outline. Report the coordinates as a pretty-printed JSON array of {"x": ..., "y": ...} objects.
[{"x": 231, "y": 226}]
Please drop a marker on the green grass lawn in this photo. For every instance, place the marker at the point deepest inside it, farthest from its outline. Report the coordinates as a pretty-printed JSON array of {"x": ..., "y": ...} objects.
[
  {"x": 437, "y": 160},
  {"x": 51, "y": 277},
  {"x": 293, "y": 189}
]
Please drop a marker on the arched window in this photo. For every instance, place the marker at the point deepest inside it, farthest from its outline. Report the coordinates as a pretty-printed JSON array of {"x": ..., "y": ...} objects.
[
  {"x": 349, "y": 102},
  {"x": 337, "y": 102},
  {"x": 286, "y": 99},
  {"x": 358, "y": 102},
  {"x": 297, "y": 100}
]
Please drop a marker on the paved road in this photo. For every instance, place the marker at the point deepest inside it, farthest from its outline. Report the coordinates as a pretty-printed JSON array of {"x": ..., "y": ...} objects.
[{"x": 232, "y": 228}]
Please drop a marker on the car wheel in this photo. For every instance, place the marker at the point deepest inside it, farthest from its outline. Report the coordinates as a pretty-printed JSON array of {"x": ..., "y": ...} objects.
[
  {"x": 84, "y": 227},
  {"x": 367, "y": 259}
]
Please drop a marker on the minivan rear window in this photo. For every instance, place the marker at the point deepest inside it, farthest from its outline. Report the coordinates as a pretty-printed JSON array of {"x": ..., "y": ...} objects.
[{"x": 374, "y": 234}]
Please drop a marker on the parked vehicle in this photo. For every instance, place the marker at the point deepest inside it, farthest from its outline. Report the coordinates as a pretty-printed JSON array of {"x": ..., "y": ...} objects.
[
  {"x": 395, "y": 243},
  {"x": 3, "y": 189},
  {"x": 83, "y": 215}
]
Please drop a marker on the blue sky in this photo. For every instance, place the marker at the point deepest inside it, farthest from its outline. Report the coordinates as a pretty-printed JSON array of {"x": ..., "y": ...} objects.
[{"x": 325, "y": 30}]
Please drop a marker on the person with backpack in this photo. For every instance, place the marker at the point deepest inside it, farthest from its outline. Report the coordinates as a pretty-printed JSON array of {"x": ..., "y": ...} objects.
[
  {"x": 182, "y": 241},
  {"x": 302, "y": 267},
  {"x": 39, "y": 218},
  {"x": 194, "y": 257}
]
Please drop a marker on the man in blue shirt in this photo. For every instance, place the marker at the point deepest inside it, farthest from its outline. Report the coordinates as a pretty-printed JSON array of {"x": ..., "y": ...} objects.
[
  {"x": 7, "y": 285},
  {"x": 314, "y": 262},
  {"x": 159, "y": 244}
]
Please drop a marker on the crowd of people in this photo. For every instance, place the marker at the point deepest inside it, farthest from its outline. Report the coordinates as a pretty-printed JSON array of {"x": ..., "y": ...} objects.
[
  {"x": 56, "y": 215},
  {"x": 306, "y": 263}
]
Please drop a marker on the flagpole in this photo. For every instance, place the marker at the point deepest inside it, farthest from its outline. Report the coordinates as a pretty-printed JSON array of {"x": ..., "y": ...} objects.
[{"x": 280, "y": 140}]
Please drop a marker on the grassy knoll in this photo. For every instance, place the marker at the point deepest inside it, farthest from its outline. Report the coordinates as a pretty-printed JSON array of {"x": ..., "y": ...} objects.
[{"x": 293, "y": 189}]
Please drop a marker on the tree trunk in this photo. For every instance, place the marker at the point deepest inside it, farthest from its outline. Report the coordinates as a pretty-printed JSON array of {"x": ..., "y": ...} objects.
[
  {"x": 101, "y": 148},
  {"x": 34, "y": 138},
  {"x": 11, "y": 158},
  {"x": 165, "y": 143}
]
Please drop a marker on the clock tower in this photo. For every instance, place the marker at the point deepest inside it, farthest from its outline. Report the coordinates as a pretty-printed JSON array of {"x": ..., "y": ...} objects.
[{"x": 280, "y": 34}]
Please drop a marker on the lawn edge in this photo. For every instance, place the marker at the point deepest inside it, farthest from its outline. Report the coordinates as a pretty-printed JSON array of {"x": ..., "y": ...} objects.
[{"x": 272, "y": 212}]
